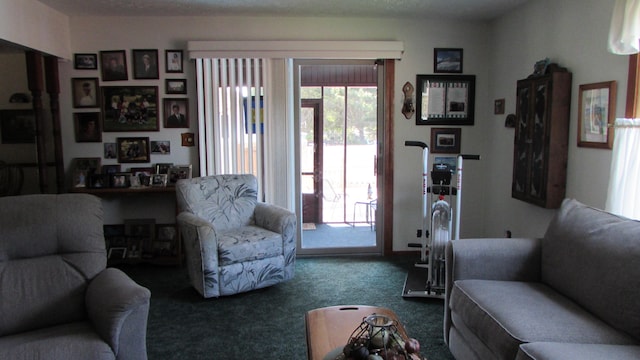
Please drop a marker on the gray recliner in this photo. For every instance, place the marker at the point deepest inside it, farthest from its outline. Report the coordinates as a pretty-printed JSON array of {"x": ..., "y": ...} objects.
[{"x": 57, "y": 298}]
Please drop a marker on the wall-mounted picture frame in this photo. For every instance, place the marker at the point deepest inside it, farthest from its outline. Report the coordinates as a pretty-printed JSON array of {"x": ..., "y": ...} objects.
[
  {"x": 498, "y": 107},
  {"x": 85, "y": 92},
  {"x": 445, "y": 140},
  {"x": 177, "y": 173},
  {"x": 173, "y": 61},
  {"x": 110, "y": 150},
  {"x": 130, "y": 108},
  {"x": 111, "y": 169},
  {"x": 88, "y": 127},
  {"x": 145, "y": 64},
  {"x": 188, "y": 139},
  {"x": 85, "y": 61},
  {"x": 447, "y": 60},
  {"x": 176, "y": 112},
  {"x": 18, "y": 126},
  {"x": 113, "y": 65},
  {"x": 596, "y": 114},
  {"x": 445, "y": 99},
  {"x": 133, "y": 149},
  {"x": 175, "y": 86},
  {"x": 161, "y": 147}
]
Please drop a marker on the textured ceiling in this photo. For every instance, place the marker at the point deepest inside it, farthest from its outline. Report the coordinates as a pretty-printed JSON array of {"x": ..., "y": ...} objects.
[{"x": 453, "y": 9}]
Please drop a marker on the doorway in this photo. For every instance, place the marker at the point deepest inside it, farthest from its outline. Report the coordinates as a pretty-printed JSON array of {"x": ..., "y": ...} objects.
[{"x": 338, "y": 140}]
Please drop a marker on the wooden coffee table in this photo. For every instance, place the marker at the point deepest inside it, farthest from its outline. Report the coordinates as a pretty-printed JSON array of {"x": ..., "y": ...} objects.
[{"x": 329, "y": 328}]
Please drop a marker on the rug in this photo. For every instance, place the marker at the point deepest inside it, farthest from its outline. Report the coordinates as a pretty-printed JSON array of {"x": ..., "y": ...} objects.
[{"x": 308, "y": 226}]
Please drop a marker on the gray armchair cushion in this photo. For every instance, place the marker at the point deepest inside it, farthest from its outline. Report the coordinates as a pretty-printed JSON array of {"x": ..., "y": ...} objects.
[
  {"x": 554, "y": 350},
  {"x": 608, "y": 283}
]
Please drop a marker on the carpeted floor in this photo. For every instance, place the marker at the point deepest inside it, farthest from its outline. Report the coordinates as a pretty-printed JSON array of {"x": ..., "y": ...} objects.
[{"x": 269, "y": 323}]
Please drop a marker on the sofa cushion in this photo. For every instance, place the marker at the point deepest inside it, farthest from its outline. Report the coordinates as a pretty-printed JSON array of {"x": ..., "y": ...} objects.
[
  {"x": 505, "y": 314},
  {"x": 553, "y": 351},
  {"x": 248, "y": 243},
  {"x": 593, "y": 258}
]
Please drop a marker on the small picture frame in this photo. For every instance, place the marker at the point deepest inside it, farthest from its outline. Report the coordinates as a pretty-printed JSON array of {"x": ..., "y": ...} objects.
[
  {"x": 88, "y": 127},
  {"x": 143, "y": 174},
  {"x": 117, "y": 253},
  {"x": 447, "y": 60},
  {"x": 85, "y": 92},
  {"x": 133, "y": 149},
  {"x": 81, "y": 169},
  {"x": 113, "y": 65},
  {"x": 166, "y": 240},
  {"x": 177, "y": 173},
  {"x": 161, "y": 147},
  {"x": 159, "y": 180},
  {"x": 445, "y": 140},
  {"x": 98, "y": 181},
  {"x": 173, "y": 61},
  {"x": 175, "y": 86},
  {"x": 176, "y": 112},
  {"x": 498, "y": 107},
  {"x": 111, "y": 169},
  {"x": 163, "y": 168},
  {"x": 85, "y": 61},
  {"x": 596, "y": 114},
  {"x": 120, "y": 180},
  {"x": 445, "y": 99},
  {"x": 145, "y": 64},
  {"x": 110, "y": 150},
  {"x": 188, "y": 139}
]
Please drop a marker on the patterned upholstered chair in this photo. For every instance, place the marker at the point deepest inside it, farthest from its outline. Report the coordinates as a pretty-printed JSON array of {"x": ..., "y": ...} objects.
[{"x": 232, "y": 242}]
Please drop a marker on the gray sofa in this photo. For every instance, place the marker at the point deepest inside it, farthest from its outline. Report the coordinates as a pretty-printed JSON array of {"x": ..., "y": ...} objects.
[
  {"x": 57, "y": 300},
  {"x": 573, "y": 294}
]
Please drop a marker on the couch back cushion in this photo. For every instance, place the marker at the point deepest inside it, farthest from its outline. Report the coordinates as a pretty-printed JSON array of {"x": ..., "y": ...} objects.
[
  {"x": 593, "y": 257},
  {"x": 50, "y": 247},
  {"x": 227, "y": 201}
]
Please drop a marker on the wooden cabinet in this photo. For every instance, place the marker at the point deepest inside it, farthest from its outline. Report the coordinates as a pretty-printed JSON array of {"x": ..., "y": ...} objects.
[{"x": 541, "y": 138}]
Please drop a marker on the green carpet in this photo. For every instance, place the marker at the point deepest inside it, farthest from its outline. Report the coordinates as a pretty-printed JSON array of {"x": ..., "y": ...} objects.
[{"x": 269, "y": 323}]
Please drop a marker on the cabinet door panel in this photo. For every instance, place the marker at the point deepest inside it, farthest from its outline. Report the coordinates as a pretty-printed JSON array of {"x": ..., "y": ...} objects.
[
  {"x": 539, "y": 141},
  {"x": 521, "y": 144}
]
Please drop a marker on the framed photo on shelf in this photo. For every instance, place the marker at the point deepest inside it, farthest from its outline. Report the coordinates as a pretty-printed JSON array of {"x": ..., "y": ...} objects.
[
  {"x": 445, "y": 99},
  {"x": 596, "y": 114},
  {"x": 163, "y": 168},
  {"x": 113, "y": 65},
  {"x": 445, "y": 140},
  {"x": 175, "y": 86},
  {"x": 178, "y": 172},
  {"x": 145, "y": 64},
  {"x": 130, "y": 108},
  {"x": 133, "y": 149},
  {"x": 98, "y": 181},
  {"x": 159, "y": 180},
  {"x": 173, "y": 60},
  {"x": 82, "y": 168},
  {"x": 85, "y": 61},
  {"x": 447, "y": 60},
  {"x": 120, "y": 180},
  {"x": 111, "y": 169},
  {"x": 85, "y": 92},
  {"x": 176, "y": 113},
  {"x": 87, "y": 127}
]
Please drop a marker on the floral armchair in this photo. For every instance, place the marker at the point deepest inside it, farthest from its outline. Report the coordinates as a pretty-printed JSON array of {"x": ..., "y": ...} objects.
[{"x": 232, "y": 242}]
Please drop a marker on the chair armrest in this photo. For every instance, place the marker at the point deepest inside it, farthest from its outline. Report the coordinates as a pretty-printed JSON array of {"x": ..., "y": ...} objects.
[
  {"x": 118, "y": 308},
  {"x": 275, "y": 218}
]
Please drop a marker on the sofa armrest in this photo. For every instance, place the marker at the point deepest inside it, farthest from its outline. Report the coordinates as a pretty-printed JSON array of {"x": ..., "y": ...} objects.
[{"x": 118, "y": 308}]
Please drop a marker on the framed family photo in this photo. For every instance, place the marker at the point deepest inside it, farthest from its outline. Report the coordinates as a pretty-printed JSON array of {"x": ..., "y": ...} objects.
[
  {"x": 596, "y": 114},
  {"x": 85, "y": 61},
  {"x": 145, "y": 64},
  {"x": 173, "y": 60},
  {"x": 113, "y": 65},
  {"x": 445, "y": 99},
  {"x": 133, "y": 149},
  {"x": 130, "y": 108},
  {"x": 445, "y": 140}
]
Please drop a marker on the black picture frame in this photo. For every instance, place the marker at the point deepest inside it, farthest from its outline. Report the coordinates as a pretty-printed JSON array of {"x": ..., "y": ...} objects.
[
  {"x": 133, "y": 149},
  {"x": 18, "y": 126},
  {"x": 445, "y": 99},
  {"x": 88, "y": 127},
  {"x": 85, "y": 92},
  {"x": 130, "y": 108},
  {"x": 447, "y": 60},
  {"x": 145, "y": 64},
  {"x": 445, "y": 140},
  {"x": 180, "y": 119},
  {"x": 85, "y": 61},
  {"x": 174, "y": 61},
  {"x": 175, "y": 86},
  {"x": 113, "y": 65}
]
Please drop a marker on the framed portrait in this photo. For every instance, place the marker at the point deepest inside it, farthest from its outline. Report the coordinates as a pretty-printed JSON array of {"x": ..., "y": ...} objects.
[
  {"x": 130, "y": 108},
  {"x": 133, "y": 149},
  {"x": 87, "y": 127},
  {"x": 498, "y": 107},
  {"x": 18, "y": 126},
  {"x": 177, "y": 173},
  {"x": 161, "y": 147},
  {"x": 447, "y": 60},
  {"x": 110, "y": 150},
  {"x": 445, "y": 99},
  {"x": 596, "y": 114},
  {"x": 113, "y": 65},
  {"x": 163, "y": 168},
  {"x": 175, "y": 86},
  {"x": 176, "y": 113},
  {"x": 85, "y": 61},
  {"x": 85, "y": 92},
  {"x": 159, "y": 180},
  {"x": 145, "y": 64},
  {"x": 173, "y": 60},
  {"x": 445, "y": 140}
]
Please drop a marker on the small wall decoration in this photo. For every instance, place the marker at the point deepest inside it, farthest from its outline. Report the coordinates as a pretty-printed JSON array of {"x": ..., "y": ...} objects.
[
  {"x": 445, "y": 99},
  {"x": 188, "y": 139},
  {"x": 85, "y": 61},
  {"x": 173, "y": 60},
  {"x": 175, "y": 86},
  {"x": 110, "y": 151},
  {"x": 87, "y": 127},
  {"x": 85, "y": 92},
  {"x": 130, "y": 108},
  {"x": 114, "y": 65},
  {"x": 145, "y": 64},
  {"x": 407, "y": 104},
  {"x": 445, "y": 140},
  {"x": 596, "y": 112},
  {"x": 176, "y": 113},
  {"x": 447, "y": 60},
  {"x": 510, "y": 121},
  {"x": 498, "y": 106},
  {"x": 133, "y": 149},
  {"x": 18, "y": 126}
]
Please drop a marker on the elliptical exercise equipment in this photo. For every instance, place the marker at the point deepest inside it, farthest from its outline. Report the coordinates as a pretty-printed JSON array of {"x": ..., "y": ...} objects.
[{"x": 436, "y": 225}]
